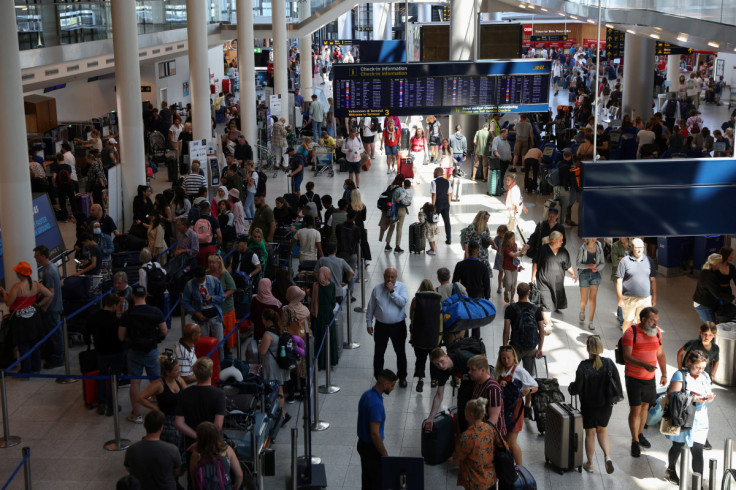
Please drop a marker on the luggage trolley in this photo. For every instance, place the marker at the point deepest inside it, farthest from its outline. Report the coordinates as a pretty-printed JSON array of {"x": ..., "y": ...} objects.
[
  {"x": 266, "y": 160},
  {"x": 322, "y": 157}
]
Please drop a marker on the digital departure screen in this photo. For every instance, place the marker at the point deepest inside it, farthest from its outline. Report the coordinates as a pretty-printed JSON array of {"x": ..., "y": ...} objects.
[{"x": 441, "y": 88}]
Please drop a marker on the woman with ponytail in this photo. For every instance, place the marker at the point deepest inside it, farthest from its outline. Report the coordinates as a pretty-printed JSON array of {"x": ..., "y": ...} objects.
[{"x": 599, "y": 386}]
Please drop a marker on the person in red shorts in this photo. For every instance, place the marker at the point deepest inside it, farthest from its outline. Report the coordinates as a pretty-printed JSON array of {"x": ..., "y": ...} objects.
[{"x": 642, "y": 350}]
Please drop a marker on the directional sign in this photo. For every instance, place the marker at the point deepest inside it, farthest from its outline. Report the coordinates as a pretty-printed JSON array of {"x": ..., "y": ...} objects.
[
  {"x": 615, "y": 43},
  {"x": 548, "y": 38},
  {"x": 667, "y": 48}
]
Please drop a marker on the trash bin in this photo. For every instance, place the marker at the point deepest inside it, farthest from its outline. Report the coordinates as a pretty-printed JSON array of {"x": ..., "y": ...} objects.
[{"x": 726, "y": 340}]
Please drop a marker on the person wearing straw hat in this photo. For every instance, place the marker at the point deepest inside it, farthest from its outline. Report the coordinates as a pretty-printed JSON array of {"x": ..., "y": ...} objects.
[{"x": 26, "y": 327}]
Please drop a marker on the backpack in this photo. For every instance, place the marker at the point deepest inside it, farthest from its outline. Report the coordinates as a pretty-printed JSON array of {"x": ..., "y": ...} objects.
[
  {"x": 553, "y": 177},
  {"x": 511, "y": 394},
  {"x": 287, "y": 357},
  {"x": 311, "y": 209},
  {"x": 470, "y": 344},
  {"x": 682, "y": 406},
  {"x": 526, "y": 331},
  {"x": 203, "y": 227},
  {"x": 375, "y": 125},
  {"x": 211, "y": 475},
  {"x": 670, "y": 109},
  {"x": 63, "y": 178},
  {"x": 261, "y": 185},
  {"x": 696, "y": 128},
  {"x": 386, "y": 199},
  {"x": 548, "y": 392},
  {"x": 606, "y": 90},
  {"x": 619, "y": 351},
  {"x": 156, "y": 280}
]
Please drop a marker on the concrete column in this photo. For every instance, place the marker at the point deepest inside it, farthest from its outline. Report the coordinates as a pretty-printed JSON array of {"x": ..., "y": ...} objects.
[
  {"x": 382, "y": 21},
  {"x": 49, "y": 24},
  {"x": 463, "y": 32},
  {"x": 345, "y": 26},
  {"x": 16, "y": 203},
  {"x": 199, "y": 74},
  {"x": 128, "y": 94},
  {"x": 247, "y": 71},
  {"x": 638, "y": 76},
  {"x": 280, "y": 56},
  {"x": 158, "y": 13},
  {"x": 673, "y": 71},
  {"x": 424, "y": 12},
  {"x": 306, "y": 76}
]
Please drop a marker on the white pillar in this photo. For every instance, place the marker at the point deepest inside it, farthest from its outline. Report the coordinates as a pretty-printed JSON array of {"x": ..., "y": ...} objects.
[
  {"x": 306, "y": 76},
  {"x": 246, "y": 67},
  {"x": 128, "y": 94},
  {"x": 280, "y": 62},
  {"x": 638, "y": 88},
  {"x": 345, "y": 25},
  {"x": 381, "y": 21},
  {"x": 158, "y": 13},
  {"x": 673, "y": 71},
  {"x": 16, "y": 203},
  {"x": 199, "y": 69},
  {"x": 424, "y": 13}
]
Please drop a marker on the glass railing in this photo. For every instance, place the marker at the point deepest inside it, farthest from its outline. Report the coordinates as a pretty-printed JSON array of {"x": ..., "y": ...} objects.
[{"x": 706, "y": 10}]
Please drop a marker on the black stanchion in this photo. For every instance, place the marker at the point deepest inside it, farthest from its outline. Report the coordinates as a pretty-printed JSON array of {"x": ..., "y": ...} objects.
[
  {"x": 350, "y": 344},
  {"x": 8, "y": 440},
  {"x": 116, "y": 444},
  {"x": 27, "y": 467},
  {"x": 67, "y": 368}
]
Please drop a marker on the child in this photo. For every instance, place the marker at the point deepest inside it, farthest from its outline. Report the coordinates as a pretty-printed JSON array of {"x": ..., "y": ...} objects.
[
  {"x": 705, "y": 343},
  {"x": 500, "y": 232},
  {"x": 428, "y": 218},
  {"x": 408, "y": 191},
  {"x": 511, "y": 264}
]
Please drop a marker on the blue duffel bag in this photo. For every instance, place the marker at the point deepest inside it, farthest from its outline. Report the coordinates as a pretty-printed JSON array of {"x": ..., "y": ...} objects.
[{"x": 463, "y": 313}]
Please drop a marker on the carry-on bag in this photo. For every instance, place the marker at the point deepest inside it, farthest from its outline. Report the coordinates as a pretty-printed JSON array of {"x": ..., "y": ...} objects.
[
  {"x": 438, "y": 445},
  {"x": 563, "y": 439},
  {"x": 524, "y": 481},
  {"x": 417, "y": 242},
  {"x": 202, "y": 347}
]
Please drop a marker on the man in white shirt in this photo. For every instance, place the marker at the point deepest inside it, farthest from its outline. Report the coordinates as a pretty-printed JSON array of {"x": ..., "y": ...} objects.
[
  {"x": 69, "y": 159},
  {"x": 184, "y": 351},
  {"x": 310, "y": 246},
  {"x": 353, "y": 147},
  {"x": 514, "y": 203}
]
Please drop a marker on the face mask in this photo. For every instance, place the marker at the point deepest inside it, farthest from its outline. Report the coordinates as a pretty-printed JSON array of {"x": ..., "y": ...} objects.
[{"x": 97, "y": 231}]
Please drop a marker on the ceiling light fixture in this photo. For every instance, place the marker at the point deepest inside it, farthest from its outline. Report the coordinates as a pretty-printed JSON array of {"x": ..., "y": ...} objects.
[
  {"x": 682, "y": 38},
  {"x": 573, "y": 17},
  {"x": 530, "y": 6},
  {"x": 630, "y": 31},
  {"x": 543, "y": 9},
  {"x": 654, "y": 36},
  {"x": 521, "y": 5},
  {"x": 563, "y": 14},
  {"x": 610, "y": 26},
  {"x": 713, "y": 44}
]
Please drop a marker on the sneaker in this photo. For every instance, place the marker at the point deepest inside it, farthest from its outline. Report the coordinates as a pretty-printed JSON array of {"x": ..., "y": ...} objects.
[
  {"x": 136, "y": 419},
  {"x": 403, "y": 383},
  {"x": 499, "y": 291},
  {"x": 388, "y": 171},
  {"x": 431, "y": 252},
  {"x": 505, "y": 296},
  {"x": 609, "y": 466},
  {"x": 420, "y": 386},
  {"x": 671, "y": 476},
  {"x": 635, "y": 449},
  {"x": 398, "y": 250},
  {"x": 590, "y": 326},
  {"x": 448, "y": 242},
  {"x": 527, "y": 412},
  {"x": 644, "y": 442},
  {"x": 707, "y": 445},
  {"x": 581, "y": 316},
  {"x": 587, "y": 468},
  {"x": 388, "y": 248},
  {"x": 287, "y": 417}
]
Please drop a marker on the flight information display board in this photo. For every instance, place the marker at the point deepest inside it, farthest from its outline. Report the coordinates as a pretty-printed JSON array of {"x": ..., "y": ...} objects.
[{"x": 441, "y": 88}]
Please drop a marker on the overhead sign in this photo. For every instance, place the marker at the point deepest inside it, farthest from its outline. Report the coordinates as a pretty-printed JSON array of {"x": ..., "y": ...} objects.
[
  {"x": 45, "y": 227},
  {"x": 441, "y": 88},
  {"x": 549, "y": 38},
  {"x": 664, "y": 49},
  {"x": 615, "y": 43},
  {"x": 528, "y": 29}
]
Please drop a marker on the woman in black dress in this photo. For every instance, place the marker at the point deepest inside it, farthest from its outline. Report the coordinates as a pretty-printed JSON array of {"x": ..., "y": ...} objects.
[{"x": 548, "y": 270}]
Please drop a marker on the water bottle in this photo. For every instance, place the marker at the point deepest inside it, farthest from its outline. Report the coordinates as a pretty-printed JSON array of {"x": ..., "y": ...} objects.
[{"x": 282, "y": 352}]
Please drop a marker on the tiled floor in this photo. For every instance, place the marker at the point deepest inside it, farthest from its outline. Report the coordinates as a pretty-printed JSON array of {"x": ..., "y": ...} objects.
[{"x": 66, "y": 439}]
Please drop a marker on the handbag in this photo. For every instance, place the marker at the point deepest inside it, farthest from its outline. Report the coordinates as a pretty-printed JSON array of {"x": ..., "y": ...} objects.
[
  {"x": 666, "y": 427},
  {"x": 503, "y": 462},
  {"x": 613, "y": 390},
  {"x": 209, "y": 312},
  {"x": 535, "y": 297}
]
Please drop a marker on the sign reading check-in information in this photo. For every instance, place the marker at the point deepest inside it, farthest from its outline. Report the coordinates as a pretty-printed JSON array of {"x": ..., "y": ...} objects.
[{"x": 407, "y": 89}]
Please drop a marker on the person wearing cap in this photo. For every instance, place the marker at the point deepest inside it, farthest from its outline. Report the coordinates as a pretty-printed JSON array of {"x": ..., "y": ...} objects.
[
  {"x": 297, "y": 162},
  {"x": 246, "y": 261},
  {"x": 144, "y": 327},
  {"x": 25, "y": 300},
  {"x": 109, "y": 154}
]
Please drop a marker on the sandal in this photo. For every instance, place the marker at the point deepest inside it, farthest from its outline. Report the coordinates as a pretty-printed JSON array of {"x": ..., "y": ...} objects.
[{"x": 433, "y": 384}]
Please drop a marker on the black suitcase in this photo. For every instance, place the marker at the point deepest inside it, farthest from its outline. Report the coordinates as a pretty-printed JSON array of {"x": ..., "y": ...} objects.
[
  {"x": 438, "y": 445},
  {"x": 524, "y": 481},
  {"x": 417, "y": 243},
  {"x": 405, "y": 137},
  {"x": 343, "y": 163},
  {"x": 272, "y": 264},
  {"x": 172, "y": 165}
]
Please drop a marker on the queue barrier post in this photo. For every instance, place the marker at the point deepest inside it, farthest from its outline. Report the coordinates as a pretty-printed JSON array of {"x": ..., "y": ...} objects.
[
  {"x": 328, "y": 388},
  {"x": 684, "y": 467},
  {"x": 67, "y": 365},
  {"x": 182, "y": 312},
  {"x": 697, "y": 480},
  {"x": 7, "y": 440},
  {"x": 27, "y": 467},
  {"x": 294, "y": 478},
  {"x": 238, "y": 340},
  {"x": 116, "y": 444},
  {"x": 361, "y": 278},
  {"x": 350, "y": 344},
  {"x": 308, "y": 409},
  {"x": 712, "y": 469},
  {"x": 727, "y": 454}
]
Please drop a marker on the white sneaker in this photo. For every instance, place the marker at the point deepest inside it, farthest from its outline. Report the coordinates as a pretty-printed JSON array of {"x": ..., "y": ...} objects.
[
  {"x": 388, "y": 171},
  {"x": 581, "y": 316},
  {"x": 590, "y": 326},
  {"x": 431, "y": 252}
]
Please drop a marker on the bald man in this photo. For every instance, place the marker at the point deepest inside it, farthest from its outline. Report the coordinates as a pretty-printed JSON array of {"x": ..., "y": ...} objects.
[
  {"x": 107, "y": 224},
  {"x": 387, "y": 305},
  {"x": 184, "y": 351}
]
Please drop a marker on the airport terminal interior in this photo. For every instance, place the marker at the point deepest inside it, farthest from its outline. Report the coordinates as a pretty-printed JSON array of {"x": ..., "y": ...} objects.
[{"x": 66, "y": 438}]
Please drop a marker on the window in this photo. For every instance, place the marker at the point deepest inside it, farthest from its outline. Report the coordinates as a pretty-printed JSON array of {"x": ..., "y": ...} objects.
[{"x": 167, "y": 69}]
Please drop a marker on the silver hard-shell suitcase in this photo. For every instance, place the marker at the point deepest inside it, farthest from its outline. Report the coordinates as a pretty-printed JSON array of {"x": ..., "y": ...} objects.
[{"x": 563, "y": 438}]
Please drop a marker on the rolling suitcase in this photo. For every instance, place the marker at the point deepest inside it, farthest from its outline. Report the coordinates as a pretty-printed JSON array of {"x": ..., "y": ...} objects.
[
  {"x": 83, "y": 204},
  {"x": 202, "y": 347},
  {"x": 225, "y": 85},
  {"x": 494, "y": 184},
  {"x": 457, "y": 190},
  {"x": 438, "y": 445},
  {"x": 406, "y": 167},
  {"x": 89, "y": 390},
  {"x": 563, "y": 439},
  {"x": 417, "y": 243},
  {"x": 172, "y": 165},
  {"x": 524, "y": 481}
]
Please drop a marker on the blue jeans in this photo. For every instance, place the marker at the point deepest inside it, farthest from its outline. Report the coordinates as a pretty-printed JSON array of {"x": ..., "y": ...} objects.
[
  {"x": 249, "y": 207},
  {"x": 139, "y": 360},
  {"x": 32, "y": 363},
  {"x": 57, "y": 339},
  {"x": 110, "y": 364},
  {"x": 706, "y": 314},
  {"x": 296, "y": 181}
]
